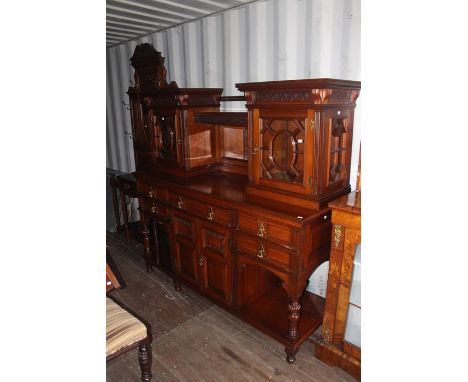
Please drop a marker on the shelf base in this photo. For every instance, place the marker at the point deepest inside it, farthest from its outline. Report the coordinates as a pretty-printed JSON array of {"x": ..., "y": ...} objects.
[{"x": 269, "y": 314}]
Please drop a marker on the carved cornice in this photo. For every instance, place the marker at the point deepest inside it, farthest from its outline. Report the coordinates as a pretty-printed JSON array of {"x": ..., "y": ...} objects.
[
  {"x": 311, "y": 92},
  {"x": 342, "y": 96}
]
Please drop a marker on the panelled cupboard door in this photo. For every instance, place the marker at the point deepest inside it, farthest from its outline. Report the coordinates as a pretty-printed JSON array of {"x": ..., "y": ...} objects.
[
  {"x": 185, "y": 251},
  {"x": 216, "y": 261},
  {"x": 282, "y": 149}
]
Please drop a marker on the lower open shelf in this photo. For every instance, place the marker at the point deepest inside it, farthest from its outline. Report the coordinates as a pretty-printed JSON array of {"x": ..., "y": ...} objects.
[{"x": 269, "y": 314}]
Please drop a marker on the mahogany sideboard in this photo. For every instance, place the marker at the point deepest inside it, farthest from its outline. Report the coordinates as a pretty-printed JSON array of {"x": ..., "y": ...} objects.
[{"x": 234, "y": 205}]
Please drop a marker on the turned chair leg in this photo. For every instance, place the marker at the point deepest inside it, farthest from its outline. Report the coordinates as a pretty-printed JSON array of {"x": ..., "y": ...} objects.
[{"x": 145, "y": 358}]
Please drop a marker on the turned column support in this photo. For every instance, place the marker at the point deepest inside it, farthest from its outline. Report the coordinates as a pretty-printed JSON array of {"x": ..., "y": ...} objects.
[
  {"x": 146, "y": 245},
  {"x": 295, "y": 288},
  {"x": 294, "y": 309},
  {"x": 154, "y": 225}
]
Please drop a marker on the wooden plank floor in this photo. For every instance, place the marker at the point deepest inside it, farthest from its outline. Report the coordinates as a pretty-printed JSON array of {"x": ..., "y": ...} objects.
[{"x": 195, "y": 340}]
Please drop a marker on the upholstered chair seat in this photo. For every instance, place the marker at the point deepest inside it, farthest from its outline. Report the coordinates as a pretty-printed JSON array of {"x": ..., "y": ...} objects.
[{"x": 124, "y": 332}]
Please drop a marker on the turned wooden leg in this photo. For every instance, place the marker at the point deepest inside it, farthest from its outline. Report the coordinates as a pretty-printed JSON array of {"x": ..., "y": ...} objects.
[
  {"x": 294, "y": 315},
  {"x": 123, "y": 203},
  {"x": 290, "y": 354},
  {"x": 145, "y": 358},
  {"x": 154, "y": 225},
  {"x": 146, "y": 245},
  {"x": 115, "y": 202}
]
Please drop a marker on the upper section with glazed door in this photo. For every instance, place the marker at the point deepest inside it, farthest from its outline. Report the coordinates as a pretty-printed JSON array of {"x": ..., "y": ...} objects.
[{"x": 301, "y": 138}]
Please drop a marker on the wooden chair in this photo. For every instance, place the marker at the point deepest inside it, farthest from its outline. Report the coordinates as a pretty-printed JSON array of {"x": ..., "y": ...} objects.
[{"x": 124, "y": 331}]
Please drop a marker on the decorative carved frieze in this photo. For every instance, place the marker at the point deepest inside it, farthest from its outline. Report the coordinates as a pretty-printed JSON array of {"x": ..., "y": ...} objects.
[
  {"x": 294, "y": 96},
  {"x": 342, "y": 96}
]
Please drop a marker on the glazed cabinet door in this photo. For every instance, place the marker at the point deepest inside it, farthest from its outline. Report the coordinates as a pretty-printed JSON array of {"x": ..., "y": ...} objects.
[
  {"x": 141, "y": 132},
  {"x": 282, "y": 152},
  {"x": 215, "y": 261},
  {"x": 185, "y": 252},
  {"x": 338, "y": 133},
  {"x": 166, "y": 137}
]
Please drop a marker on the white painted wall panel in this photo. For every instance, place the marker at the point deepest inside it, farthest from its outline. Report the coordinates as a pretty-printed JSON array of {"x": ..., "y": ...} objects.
[{"x": 262, "y": 41}]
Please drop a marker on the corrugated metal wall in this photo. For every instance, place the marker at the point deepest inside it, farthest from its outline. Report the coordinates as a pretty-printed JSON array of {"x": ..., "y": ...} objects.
[{"x": 262, "y": 41}]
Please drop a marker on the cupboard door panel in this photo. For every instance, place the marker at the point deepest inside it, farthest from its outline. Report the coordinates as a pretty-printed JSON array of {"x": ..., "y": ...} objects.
[
  {"x": 186, "y": 260},
  {"x": 217, "y": 269}
]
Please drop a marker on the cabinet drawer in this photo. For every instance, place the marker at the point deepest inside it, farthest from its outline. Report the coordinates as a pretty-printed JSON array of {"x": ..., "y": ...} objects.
[
  {"x": 184, "y": 226},
  {"x": 153, "y": 207},
  {"x": 152, "y": 192},
  {"x": 204, "y": 210},
  {"x": 263, "y": 250},
  {"x": 266, "y": 228}
]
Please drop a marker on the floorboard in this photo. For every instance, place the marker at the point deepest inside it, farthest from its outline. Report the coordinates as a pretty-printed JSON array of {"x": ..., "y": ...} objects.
[{"x": 195, "y": 340}]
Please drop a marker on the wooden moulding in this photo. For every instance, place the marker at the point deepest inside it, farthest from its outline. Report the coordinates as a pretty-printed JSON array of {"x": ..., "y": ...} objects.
[{"x": 258, "y": 193}]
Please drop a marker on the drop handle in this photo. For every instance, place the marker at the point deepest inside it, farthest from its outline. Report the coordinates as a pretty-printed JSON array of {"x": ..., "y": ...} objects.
[
  {"x": 201, "y": 260},
  {"x": 261, "y": 252},
  {"x": 210, "y": 214},
  {"x": 180, "y": 203},
  {"x": 261, "y": 230},
  {"x": 255, "y": 150},
  {"x": 154, "y": 210}
]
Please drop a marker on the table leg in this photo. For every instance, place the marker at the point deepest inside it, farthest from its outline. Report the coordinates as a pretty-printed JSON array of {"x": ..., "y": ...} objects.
[
  {"x": 146, "y": 245},
  {"x": 115, "y": 202}
]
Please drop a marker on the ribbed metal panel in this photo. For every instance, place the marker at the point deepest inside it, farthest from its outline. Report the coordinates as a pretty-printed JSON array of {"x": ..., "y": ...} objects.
[{"x": 261, "y": 41}]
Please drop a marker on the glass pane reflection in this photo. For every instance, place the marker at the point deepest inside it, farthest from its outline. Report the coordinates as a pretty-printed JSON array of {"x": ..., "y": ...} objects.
[{"x": 353, "y": 322}]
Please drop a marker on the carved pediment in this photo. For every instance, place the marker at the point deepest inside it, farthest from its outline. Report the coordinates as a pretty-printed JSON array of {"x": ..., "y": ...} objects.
[{"x": 150, "y": 73}]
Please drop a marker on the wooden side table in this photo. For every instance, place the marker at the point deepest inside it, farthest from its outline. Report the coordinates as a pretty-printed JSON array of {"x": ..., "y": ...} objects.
[{"x": 339, "y": 344}]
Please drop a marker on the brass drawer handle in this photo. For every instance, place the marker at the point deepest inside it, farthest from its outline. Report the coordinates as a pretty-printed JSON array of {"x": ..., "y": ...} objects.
[
  {"x": 180, "y": 203},
  {"x": 210, "y": 214},
  {"x": 200, "y": 260},
  {"x": 255, "y": 150},
  {"x": 154, "y": 210},
  {"x": 261, "y": 252},
  {"x": 261, "y": 230}
]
